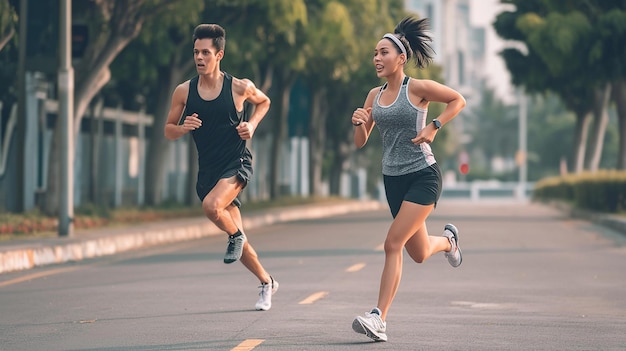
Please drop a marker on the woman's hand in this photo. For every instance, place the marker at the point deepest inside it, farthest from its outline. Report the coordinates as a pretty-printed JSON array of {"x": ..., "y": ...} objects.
[
  {"x": 361, "y": 116},
  {"x": 426, "y": 135}
]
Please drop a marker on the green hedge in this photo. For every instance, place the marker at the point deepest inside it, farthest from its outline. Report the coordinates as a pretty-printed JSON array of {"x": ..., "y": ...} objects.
[{"x": 603, "y": 191}]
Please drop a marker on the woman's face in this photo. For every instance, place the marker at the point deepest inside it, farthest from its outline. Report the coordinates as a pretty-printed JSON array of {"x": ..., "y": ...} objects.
[{"x": 387, "y": 60}]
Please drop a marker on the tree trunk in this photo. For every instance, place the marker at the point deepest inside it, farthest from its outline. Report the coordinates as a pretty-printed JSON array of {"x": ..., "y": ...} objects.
[
  {"x": 334, "y": 176},
  {"x": 5, "y": 39},
  {"x": 619, "y": 97},
  {"x": 125, "y": 21},
  {"x": 159, "y": 145},
  {"x": 96, "y": 137},
  {"x": 343, "y": 149},
  {"x": 285, "y": 82},
  {"x": 83, "y": 98},
  {"x": 317, "y": 139},
  {"x": 601, "y": 120},
  {"x": 580, "y": 140},
  {"x": 51, "y": 197}
]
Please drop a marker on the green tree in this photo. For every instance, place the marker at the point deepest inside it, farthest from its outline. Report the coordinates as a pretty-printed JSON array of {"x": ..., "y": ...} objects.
[
  {"x": 567, "y": 52},
  {"x": 8, "y": 19},
  {"x": 339, "y": 39},
  {"x": 267, "y": 46},
  {"x": 150, "y": 68},
  {"x": 8, "y": 57},
  {"x": 349, "y": 83},
  {"x": 113, "y": 24}
]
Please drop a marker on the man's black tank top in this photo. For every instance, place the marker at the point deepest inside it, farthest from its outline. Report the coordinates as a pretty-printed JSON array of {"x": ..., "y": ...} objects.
[{"x": 217, "y": 140}]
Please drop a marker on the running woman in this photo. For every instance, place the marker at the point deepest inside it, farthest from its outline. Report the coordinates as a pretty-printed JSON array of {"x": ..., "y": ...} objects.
[
  {"x": 212, "y": 106},
  {"x": 411, "y": 175}
]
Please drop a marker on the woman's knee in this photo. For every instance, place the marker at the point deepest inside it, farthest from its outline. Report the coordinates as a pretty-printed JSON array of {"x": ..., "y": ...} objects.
[{"x": 393, "y": 246}]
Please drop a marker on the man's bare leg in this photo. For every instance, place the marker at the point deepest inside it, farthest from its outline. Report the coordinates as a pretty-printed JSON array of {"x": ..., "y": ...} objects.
[
  {"x": 249, "y": 258},
  {"x": 217, "y": 201}
]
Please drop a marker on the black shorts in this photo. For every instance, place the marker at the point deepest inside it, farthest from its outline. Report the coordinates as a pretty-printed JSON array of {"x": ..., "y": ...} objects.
[
  {"x": 242, "y": 168},
  {"x": 422, "y": 187}
]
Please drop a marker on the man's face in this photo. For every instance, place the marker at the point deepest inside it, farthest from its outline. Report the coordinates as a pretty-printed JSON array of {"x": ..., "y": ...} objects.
[{"x": 206, "y": 56}]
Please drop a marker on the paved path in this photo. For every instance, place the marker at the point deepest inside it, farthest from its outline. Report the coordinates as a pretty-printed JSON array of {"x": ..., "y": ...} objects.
[{"x": 532, "y": 278}]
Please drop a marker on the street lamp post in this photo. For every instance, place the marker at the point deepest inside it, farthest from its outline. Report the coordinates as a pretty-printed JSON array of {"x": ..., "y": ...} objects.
[
  {"x": 66, "y": 109},
  {"x": 522, "y": 159}
]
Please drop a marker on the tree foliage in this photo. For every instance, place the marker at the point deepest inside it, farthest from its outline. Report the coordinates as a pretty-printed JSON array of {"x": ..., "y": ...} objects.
[{"x": 567, "y": 48}]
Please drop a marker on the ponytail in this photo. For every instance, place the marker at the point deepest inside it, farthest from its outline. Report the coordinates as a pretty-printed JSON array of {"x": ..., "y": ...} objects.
[{"x": 416, "y": 38}]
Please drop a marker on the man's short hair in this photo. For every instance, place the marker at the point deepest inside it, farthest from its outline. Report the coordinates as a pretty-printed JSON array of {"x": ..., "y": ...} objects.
[{"x": 211, "y": 31}]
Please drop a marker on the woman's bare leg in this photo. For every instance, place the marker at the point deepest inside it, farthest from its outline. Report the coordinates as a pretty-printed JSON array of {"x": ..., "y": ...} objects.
[{"x": 405, "y": 226}]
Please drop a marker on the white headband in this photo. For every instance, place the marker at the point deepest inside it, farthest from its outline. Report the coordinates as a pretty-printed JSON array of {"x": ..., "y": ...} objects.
[{"x": 397, "y": 42}]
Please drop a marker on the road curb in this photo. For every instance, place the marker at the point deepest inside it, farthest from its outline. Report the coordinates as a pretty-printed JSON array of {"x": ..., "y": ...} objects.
[
  {"x": 36, "y": 253},
  {"x": 614, "y": 222}
]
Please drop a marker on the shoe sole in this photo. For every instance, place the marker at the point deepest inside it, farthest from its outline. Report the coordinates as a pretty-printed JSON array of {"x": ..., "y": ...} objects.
[
  {"x": 452, "y": 229},
  {"x": 358, "y": 327},
  {"x": 455, "y": 232}
]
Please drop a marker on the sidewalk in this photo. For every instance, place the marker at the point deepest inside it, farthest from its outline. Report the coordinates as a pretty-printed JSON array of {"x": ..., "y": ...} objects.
[{"x": 22, "y": 254}]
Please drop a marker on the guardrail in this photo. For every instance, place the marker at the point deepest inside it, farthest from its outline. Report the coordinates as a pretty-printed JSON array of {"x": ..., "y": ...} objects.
[{"x": 478, "y": 190}]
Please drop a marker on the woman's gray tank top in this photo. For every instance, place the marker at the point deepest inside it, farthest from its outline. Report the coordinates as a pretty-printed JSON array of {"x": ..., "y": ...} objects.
[{"x": 398, "y": 123}]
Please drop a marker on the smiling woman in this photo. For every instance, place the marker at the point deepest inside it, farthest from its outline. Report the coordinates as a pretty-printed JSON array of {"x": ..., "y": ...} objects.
[{"x": 411, "y": 175}]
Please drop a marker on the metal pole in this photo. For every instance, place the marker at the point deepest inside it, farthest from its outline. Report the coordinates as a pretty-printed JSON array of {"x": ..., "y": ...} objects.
[
  {"x": 21, "y": 108},
  {"x": 66, "y": 113},
  {"x": 523, "y": 165}
]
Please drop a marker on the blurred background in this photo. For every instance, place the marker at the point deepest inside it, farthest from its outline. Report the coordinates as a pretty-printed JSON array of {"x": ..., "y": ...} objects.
[{"x": 545, "y": 83}]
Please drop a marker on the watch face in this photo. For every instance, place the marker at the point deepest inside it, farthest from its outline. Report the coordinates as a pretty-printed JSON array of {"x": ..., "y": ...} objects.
[{"x": 437, "y": 123}]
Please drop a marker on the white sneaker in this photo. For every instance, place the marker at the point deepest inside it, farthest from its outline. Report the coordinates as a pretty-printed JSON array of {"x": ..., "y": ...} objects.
[
  {"x": 454, "y": 255},
  {"x": 371, "y": 325},
  {"x": 234, "y": 248},
  {"x": 265, "y": 296}
]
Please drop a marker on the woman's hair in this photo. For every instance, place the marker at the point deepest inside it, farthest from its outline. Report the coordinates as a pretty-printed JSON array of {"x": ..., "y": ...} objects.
[
  {"x": 211, "y": 31},
  {"x": 416, "y": 38}
]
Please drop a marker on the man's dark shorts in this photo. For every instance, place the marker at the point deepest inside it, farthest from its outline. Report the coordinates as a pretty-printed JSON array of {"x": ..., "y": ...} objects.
[
  {"x": 242, "y": 168},
  {"x": 422, "y": 187}
]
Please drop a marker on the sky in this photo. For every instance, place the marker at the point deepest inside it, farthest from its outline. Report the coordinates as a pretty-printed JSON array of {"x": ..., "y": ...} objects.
[{"x": 483, "y": 14}]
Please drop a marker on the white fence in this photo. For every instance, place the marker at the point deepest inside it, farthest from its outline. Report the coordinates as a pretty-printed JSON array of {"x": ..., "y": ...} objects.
[{"x": 481, "y": 190}]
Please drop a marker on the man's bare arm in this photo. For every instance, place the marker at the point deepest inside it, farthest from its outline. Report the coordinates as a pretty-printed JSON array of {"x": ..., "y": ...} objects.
[{"x": 172, "y": 129}]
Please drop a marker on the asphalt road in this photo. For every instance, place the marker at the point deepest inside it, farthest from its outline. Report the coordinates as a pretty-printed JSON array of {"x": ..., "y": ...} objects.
[{"x": 531, "y": 279}]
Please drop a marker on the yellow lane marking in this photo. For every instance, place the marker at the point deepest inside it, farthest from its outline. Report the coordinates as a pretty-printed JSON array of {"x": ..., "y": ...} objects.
[
  {"x": 248, "y": 345},
  {"x": 313, "y": 297},
  {"x": 355, "y": 267},
  {"x": 37, "y": 275},
  {"x": 380, "y": 247}
]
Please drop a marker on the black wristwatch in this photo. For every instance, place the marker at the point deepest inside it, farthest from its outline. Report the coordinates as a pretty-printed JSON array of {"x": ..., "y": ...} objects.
[{"x": 437, "y": 123}]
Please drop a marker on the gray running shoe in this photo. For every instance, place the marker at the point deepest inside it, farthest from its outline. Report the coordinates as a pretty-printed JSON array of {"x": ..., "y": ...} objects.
[
  {"x": 371, "y": 325},
  {"x": 454, "y": 255},
  {"x": 265, "y": 296},
  {"x": 235, "y": 248}
]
